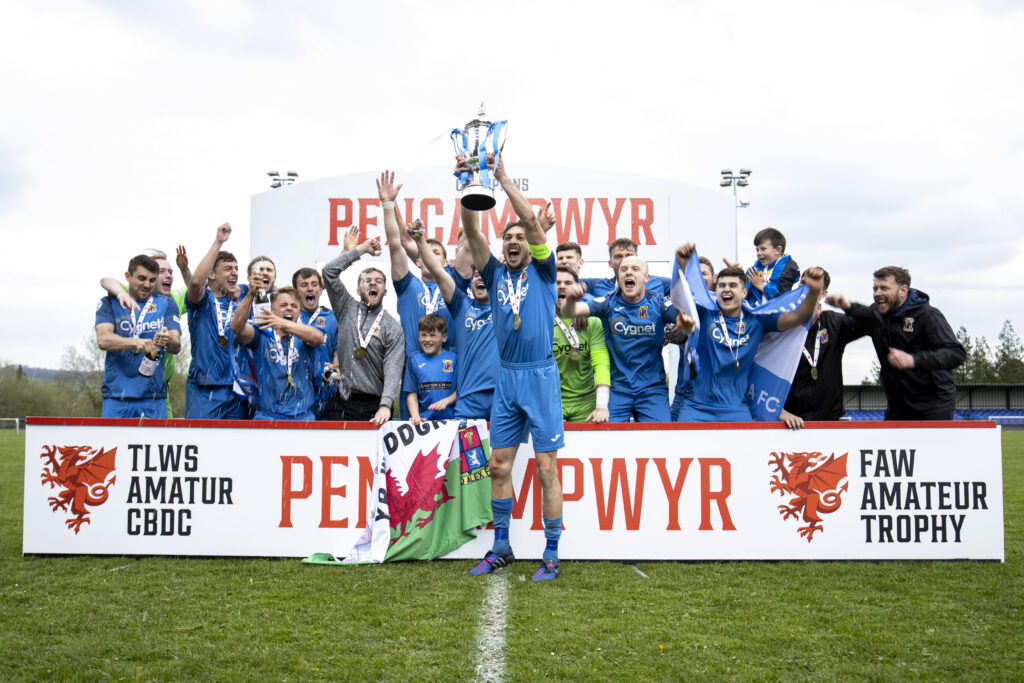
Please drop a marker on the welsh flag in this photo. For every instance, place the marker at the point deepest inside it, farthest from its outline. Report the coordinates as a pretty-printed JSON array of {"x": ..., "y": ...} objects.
[{"x": 432, "y": 489}]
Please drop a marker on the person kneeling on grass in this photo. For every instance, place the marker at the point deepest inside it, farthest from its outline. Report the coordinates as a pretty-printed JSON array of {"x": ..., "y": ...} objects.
[{"x": 283, "y": 349}]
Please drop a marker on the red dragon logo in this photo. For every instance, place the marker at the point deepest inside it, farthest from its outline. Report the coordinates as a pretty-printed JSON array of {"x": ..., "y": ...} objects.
[
  {"x": 816, "y": 482},
  {"x": 423, "y": 483},
  {"x": 84, "y": 480}
]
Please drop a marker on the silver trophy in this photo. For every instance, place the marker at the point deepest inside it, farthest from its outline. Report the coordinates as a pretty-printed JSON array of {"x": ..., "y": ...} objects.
[{"x": 475, "y": 141}]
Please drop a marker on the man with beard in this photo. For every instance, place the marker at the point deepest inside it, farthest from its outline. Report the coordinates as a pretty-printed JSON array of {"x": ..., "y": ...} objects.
[
  {"x": 634, "y": 323},
  {"x": 527, "y": 394},
  {"x": 371, "y": 345},
  {"x": 916, "y": 347},
  {"x": 131, "y": 334},
  {"x": 284, "y": 352},
  {"x": 164, "y": 286},
  {"x": 582, "y": 358},
  {"x": 817, "y": 389},
  {"x": 478, "y": 361},
  {"x": 728, "y": 341},
  {"x": 211, "y": 306}
]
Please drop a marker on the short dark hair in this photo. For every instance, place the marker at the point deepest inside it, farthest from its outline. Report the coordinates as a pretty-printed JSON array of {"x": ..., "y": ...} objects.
[
  {"x": 371, "y": 269},
  {"x": 570, "y": 271},
  {"x": 433, "y": 322},
  {"x": 623, "y": 243},
  {"x": 143, "y": 261},
  {"x": 569, "y": 246},
  {"x": 900, "y": 275},
  {"x": 224, "y": 256},
  {"x": 733, "y": 271},
  {"x": 304, "y": 273},
  {"x": 290, "y": 291},
  {"x": 513, "y": 224},
  {"x": 440, "y": 244},
  {"x": 248, "y": 269},
  {"x": 707, "y": 262},
  {"x": 771, "y": 235}
]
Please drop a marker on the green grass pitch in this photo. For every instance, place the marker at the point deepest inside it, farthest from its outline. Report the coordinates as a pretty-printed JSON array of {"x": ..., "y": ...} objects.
[{"x": 123, "y": 618}]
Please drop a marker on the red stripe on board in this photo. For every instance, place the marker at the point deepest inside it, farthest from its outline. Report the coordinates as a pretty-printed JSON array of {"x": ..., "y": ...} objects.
[{"x": 575, "y": 427}]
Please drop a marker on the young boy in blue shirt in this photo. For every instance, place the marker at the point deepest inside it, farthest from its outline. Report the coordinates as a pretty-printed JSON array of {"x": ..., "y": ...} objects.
[
  {"x": 430, "y": 374},
  {"x": 775, "y": 272}
]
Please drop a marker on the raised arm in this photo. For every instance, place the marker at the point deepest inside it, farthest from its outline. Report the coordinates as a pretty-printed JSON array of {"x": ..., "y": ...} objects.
[
  {"x": 471, "y": 225},
  {"x": 336, "y": 291},
  {"x": 433, "y": 263},
  {"x": 571, "y": 307},
  {"x": 181, "y": 259},
  {"x": 114, "y": 289},
  {"x": 244, "y": 332},
  {"x": 814, "y": 278},
  {"x": 535, "y": 233},
  {"x": 388, "y": 192},
  {"x": 197, "y": 285}
]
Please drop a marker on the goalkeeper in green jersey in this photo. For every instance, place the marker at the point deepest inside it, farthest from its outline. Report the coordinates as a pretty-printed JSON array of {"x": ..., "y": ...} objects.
[{"x": 582, "y": 359}]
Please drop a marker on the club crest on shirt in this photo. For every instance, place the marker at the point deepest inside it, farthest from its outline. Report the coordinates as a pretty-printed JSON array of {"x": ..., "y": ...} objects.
[
  {"x": 642, "y": 311},
  {"x": 447, "y": 365},
  {"x": 823, "y": 336},
  {"x": 150, "y": 308},
  {"x": 319, "y": 322},
  {"x": 908, "y": 324},
  {"x": 741, "y": 327}
]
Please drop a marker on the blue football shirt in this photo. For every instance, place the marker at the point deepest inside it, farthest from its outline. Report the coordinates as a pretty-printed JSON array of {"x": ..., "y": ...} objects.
[
  {"x": 719, "y": 383},
  {"x": 278, "y": 399},
  {"x": 433, "y": 378},
  {"x": 634, "y": 333},
  {"x": 414, "y": 296},
  {"x": 121, "y": 378},
  {"x": 474, "y": 336},
  {"x": 532, "y": 341}
]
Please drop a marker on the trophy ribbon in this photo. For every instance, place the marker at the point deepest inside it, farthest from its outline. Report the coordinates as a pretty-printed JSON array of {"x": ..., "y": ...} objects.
[
  {"x": 516, "y": 296},
  {"x": 137, "y": 324}
]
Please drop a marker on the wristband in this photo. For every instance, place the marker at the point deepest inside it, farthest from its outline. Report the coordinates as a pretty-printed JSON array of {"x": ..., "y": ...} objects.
[
  {"x": 387, "y": 205},
  {"x": 603, "y": 391}
]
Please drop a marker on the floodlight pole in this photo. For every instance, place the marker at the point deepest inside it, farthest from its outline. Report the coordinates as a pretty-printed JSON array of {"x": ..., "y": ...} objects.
[{"x": 740, "y": 180}]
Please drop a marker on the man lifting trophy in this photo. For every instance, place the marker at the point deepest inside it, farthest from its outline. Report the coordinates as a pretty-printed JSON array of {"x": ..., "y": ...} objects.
[{"x": 475, "y": 141}]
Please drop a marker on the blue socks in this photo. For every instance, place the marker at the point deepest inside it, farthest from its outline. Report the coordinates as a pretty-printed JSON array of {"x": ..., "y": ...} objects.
[
  {"x": 552, "y": 532},
  {"x": 501, "y": 509}
]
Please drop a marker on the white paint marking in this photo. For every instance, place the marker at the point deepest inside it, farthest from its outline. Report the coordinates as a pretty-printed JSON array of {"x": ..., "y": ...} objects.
[
  {"x": 634, "y": 567},
  {"x": 121, "y": 567},
  {"x": 490, "y": 639}
]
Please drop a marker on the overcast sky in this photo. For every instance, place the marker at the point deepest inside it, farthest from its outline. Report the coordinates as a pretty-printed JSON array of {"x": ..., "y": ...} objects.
[{"x": 878, "y": 132}]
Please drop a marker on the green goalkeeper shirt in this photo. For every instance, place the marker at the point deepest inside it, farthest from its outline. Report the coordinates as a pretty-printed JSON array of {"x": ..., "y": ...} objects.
[{"x": 580, "y": 377}]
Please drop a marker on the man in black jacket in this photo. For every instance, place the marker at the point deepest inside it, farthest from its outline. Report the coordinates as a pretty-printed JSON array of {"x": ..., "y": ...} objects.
[
  {"x": 916, "y": 347},
  {"x": 817, "y": 389}
]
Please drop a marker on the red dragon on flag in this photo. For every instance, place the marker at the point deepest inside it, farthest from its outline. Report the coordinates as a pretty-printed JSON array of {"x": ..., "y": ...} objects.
[{"x": 423, "y": 483}]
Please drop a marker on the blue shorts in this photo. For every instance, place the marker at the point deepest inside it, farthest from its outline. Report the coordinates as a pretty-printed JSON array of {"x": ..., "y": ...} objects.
[
  {"x": 213, "y": 403},
  {"x": 475, "y": 406},
  {"x": 528, "y": 396},
  {"x": 648, "y": 405},
  {"x": 695, "y": 412},
  {"x": 135, "y": 407}
]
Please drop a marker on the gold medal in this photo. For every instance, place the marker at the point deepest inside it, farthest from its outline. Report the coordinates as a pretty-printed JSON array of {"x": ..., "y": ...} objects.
[
  {"x": 291, "y": 382},
  {"x": 360, "y": 352},
  {"x": 223, "y": 341},
  {"x": 574, "y": 354},
  {"x": 814, "y": 373},
  {"x": 516, "y": 322},
  {"x": 737, "y": 364}
]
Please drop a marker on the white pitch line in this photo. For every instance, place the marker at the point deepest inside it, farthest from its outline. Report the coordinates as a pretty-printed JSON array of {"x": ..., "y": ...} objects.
[
  {"x": 637, "y": 570},
  {"x": 490, "y": 638}
]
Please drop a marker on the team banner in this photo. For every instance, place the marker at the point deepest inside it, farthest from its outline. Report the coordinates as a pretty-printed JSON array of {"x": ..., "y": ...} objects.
[
  {"x": 432, "y": 487},
  {"x": 871, "y": 491}
]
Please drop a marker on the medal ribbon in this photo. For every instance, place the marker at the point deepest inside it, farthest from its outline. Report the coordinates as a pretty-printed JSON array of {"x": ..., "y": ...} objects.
[
  {"x": 515, "y": 297},
  {"x": 433, "y": 302},
  {"x": 364, "y": 342},
  {"x": 728, "y": 342},
  {"x": 280, "y": 351},
  {"x": 817, "y": 348},
  {"x": 570, "y": 333},
  {"x": 223, "y": 324},
  {"x": 136, "y": 324}
]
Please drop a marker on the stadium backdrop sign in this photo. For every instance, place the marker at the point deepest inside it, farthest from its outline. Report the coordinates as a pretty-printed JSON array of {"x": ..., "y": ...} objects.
[
  {"x": 305, "y": 223},
  {"x": 868, "y": 491}
]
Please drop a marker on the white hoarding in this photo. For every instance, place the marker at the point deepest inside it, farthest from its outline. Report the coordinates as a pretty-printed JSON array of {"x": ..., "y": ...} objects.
[
  {"x": 304, "y": 224},
  {"x": 688, "y": 492}
]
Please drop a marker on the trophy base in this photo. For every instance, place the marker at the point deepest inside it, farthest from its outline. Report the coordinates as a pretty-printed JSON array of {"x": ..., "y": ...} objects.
[{"x": 478, "y": 198}]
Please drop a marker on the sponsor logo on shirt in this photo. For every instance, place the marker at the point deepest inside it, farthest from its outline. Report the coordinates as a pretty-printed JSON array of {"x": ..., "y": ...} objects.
[
  {"x": 124, "y": 324},
  {"x": 475, "y": 324},
  {"x": 623, "y": 327},
  {"x": 716, "y": 334},
  {"x": 503, "y": 292}
]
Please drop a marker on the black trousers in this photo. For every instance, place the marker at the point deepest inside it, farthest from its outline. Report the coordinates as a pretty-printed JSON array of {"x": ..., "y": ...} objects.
[{"x": 356, "y": 408}]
